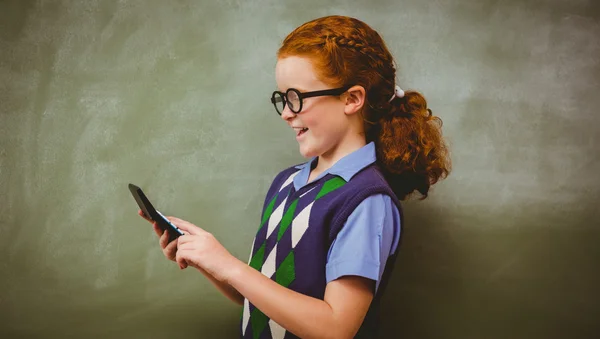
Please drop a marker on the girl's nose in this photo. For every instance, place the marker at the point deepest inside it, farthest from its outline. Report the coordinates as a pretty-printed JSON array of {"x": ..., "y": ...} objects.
[{"x": 287, "y": 114}]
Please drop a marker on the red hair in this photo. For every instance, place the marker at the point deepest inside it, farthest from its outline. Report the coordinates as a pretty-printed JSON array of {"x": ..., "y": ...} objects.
[{"x": 345, "y": 52}]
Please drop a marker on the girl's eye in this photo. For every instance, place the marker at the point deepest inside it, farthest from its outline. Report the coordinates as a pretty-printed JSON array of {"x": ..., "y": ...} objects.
[{"x": 293, "y": 96}]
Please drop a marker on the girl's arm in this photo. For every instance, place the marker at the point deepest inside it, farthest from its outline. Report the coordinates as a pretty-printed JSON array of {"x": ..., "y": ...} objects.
[{"x": 339, "y": 315}]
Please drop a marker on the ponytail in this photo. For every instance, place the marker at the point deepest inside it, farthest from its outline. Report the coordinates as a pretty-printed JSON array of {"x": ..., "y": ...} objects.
[{"x": 410, "y": 148}]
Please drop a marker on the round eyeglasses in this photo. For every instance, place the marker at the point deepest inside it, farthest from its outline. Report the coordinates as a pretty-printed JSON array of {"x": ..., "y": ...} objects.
[{"x": 293, "y": 98}]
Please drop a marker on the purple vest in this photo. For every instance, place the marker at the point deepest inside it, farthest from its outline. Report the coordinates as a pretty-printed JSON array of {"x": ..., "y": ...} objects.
[{"x": 295, "y": 234}]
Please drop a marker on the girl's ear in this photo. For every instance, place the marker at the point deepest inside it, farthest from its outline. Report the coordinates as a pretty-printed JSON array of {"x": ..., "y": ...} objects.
[{"x": 354, "y": 99}]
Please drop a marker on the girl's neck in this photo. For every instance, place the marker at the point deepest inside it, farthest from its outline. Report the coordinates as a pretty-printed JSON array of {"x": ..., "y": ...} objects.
[{"x": 326, "y": 160}]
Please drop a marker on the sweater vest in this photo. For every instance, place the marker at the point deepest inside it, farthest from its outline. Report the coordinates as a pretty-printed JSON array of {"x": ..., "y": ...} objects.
[{"x": 296, "y": 231}]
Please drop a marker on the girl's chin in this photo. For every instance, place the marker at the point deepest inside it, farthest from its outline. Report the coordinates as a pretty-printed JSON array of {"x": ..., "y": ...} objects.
[{"x": 307, "y": 152}]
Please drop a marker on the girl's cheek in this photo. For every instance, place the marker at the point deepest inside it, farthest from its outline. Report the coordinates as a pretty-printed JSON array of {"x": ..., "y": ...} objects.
[{"x": 309, "y": 121}]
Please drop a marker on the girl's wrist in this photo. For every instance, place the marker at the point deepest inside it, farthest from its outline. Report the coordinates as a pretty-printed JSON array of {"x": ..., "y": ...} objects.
[{"x": 233, "y": 271}]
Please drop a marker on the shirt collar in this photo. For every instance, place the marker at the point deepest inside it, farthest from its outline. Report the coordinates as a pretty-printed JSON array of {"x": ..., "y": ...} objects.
[{"x": 345, "y": 168}]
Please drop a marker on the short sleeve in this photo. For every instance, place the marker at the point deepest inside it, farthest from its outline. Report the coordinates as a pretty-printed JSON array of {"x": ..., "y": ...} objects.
[{"x": 368, "y": 238}]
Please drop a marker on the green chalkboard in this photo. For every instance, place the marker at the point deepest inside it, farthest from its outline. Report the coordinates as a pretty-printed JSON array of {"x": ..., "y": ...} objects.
[{"x": 173, "y": 96}]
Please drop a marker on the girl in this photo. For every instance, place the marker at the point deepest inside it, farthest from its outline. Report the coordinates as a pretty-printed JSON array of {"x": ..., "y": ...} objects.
[{"x": 330, "y": 228}]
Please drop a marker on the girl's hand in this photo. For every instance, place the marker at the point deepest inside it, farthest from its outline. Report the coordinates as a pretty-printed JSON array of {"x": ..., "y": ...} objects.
[
  {"x": 200, "y": 249},
  {"x": 169, "y": 249}
]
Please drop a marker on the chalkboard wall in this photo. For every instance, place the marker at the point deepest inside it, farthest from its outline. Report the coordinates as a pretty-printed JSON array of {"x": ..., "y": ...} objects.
[{"x": 173, "y": 96}]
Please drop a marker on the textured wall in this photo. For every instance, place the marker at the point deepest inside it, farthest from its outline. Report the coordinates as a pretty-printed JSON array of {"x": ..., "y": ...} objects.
[{"x": 173, "y": 96}]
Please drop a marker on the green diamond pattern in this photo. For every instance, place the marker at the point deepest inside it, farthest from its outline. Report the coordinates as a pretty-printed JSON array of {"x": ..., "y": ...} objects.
[
  {"x": 259, "y": 321},
  {"x": 286, "y": 272},
  {"x": 258, "y": 259},
  {"x": 330, "y": 186},
  {"x": 268, "y": 212},
  {"x": 286, "y": 221}
]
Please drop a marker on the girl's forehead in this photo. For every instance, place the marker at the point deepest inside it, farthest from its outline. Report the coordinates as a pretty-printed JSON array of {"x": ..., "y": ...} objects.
[{"x": 295, "y": 72}]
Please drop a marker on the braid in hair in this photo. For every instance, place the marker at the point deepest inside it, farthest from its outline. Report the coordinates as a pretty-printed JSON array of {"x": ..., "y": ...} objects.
[{"x": 374, "y": 57}]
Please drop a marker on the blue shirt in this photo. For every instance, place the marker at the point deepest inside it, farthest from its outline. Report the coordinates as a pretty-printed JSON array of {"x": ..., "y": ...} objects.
[{"x": 372, "y": 231}]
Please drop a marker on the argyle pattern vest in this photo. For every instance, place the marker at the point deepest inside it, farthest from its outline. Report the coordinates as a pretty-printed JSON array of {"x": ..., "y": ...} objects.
[{"x": 296, "y": 231}]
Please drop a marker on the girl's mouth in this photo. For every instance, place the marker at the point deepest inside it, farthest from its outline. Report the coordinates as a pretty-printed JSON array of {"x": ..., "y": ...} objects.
[{"x": 301, "y": 131}]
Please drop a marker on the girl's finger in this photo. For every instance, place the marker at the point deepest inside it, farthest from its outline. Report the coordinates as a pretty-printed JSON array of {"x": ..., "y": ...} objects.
[
  {"x": 164, "y": 240},
  {"x": 185, "y": 226},
  {"x": 157, "y": 229},
  {"x": 186, "y": 246},
  {"x": 170, "y": 250},
  {"x": 180, "y": 259},
  {"x": 185, "y": 239},
  {"x": 141, "y": 214}
]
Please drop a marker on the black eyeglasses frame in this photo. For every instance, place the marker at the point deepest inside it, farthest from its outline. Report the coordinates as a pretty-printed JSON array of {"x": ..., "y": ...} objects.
[{"x": 303, "y": 95}]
